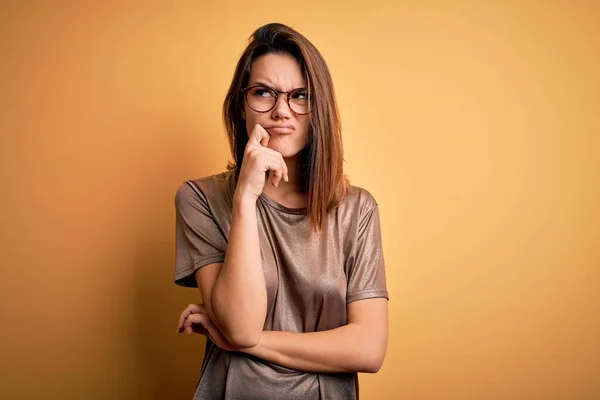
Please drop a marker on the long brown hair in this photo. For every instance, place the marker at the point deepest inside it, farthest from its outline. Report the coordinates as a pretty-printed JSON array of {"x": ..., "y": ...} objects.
[{"x": 321, "y": 161}]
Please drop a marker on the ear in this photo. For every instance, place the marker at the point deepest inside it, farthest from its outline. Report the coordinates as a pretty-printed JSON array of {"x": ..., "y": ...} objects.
[{"x": 244, "y": 115}]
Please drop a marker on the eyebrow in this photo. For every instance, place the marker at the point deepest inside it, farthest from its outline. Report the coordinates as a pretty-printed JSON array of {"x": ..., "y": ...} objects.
[{"x": 263, "y": 83}]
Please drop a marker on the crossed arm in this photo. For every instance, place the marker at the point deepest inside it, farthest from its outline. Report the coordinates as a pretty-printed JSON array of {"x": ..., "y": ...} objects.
[
  {"x": 234, "y": 311},
  {"x": 359, "y": 346}
]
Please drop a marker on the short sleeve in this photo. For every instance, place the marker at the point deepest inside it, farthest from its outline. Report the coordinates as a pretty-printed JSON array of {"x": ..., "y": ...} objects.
[
  {"x": 198, "y": 239},
  {"x": 366, "y": 278}
]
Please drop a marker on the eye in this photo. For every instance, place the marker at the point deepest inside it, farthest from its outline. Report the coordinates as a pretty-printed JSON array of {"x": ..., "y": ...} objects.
[
  {"x": 300, "y": 95},
  {"x": 262, "y": 92}
]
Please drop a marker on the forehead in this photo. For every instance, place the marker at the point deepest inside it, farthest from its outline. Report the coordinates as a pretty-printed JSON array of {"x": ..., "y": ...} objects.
[{"x": 280, "y": 71}]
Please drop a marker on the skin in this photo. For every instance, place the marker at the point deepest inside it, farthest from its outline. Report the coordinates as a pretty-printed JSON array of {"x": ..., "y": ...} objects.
[
  {"x": 283, "y": 73},
  {"x": 271, "y": 167}
]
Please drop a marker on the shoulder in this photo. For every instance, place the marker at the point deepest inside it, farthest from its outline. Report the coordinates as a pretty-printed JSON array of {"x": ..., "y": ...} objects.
[
  {"x": 359, "y": 200},
  {"x": 358, "y": 205},
  {"x": 209, "y": 189}
]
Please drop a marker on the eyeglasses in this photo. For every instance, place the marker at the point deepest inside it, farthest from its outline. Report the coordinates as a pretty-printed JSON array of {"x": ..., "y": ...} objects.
[{"x": 262, "y": 99}]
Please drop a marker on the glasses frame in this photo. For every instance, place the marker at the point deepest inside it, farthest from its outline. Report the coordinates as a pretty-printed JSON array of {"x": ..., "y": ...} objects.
[{"x": 277, "y": 93}]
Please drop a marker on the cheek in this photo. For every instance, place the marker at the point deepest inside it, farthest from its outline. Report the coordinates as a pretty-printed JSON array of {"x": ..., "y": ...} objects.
[
  {"x": 251, "y": 121},
  {"x": 305, "y": 129}
]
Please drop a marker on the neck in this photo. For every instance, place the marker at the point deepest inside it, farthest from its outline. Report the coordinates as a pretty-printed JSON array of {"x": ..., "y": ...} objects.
[
  {"x": 291, "y": 191},
  {"x": 293, "y": 173}
]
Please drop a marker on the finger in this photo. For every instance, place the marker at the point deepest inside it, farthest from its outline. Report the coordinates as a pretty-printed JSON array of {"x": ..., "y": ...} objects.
[
  {"x": 276, "y": 176},
  {"x": 273, "y": 173},
  {"x": 286, "y": 177},
  {"x": 190, "y": 309},
  {"x": 260, "y": 136},
  {"x": 265, "y": 136},
  {"x": 198, "y": 323},
  {"x": 280, "y": 163},
  {"x": 196, "y": 319},
  {"x": 193, "y": 319},
  {"x": 183, "y": 316}
]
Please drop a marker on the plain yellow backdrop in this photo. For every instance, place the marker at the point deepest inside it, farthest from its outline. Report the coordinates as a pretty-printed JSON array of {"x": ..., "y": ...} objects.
[{"x": 474, "y": 124}]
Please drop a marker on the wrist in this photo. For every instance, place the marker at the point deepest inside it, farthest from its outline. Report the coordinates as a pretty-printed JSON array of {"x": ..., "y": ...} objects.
[{"x": 243, "y": 198}]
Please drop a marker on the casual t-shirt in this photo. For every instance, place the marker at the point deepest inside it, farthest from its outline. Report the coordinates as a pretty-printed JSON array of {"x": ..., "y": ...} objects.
[{"x": 309, "y": 277}]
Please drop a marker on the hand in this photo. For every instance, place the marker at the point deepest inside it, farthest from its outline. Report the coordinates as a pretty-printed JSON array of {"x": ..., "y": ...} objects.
[
  {"x": 258, "y": 161},
  {"x": 195, "y": 319}
]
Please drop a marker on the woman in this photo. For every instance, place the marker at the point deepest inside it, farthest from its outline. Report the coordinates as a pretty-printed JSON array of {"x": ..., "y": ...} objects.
[{"x": 287, "y": 254}]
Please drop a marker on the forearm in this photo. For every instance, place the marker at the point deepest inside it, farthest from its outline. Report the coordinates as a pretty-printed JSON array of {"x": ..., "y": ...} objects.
[
  {"x": 349, "y": 348},
  {"x": 239, "y": 296}
]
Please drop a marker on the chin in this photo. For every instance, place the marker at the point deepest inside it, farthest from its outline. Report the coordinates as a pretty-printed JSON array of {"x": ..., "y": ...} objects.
[
  {"x": 286, "y": 153},
  {"x": 287, "y": 150},
  {"x": 290, "y": 155}
]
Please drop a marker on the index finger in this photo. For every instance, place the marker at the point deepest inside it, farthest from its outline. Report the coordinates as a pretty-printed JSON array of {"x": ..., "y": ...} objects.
[{"x": 260, "y": 136}]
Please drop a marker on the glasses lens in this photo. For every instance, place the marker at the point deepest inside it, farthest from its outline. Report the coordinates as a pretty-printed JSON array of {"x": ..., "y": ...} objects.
[
  {"x": 261, "y": 99},
  {"x": 299, "y": 101}
]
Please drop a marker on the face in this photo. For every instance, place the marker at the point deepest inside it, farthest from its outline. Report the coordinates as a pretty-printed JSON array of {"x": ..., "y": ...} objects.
[{"x": 280, "y": 72}]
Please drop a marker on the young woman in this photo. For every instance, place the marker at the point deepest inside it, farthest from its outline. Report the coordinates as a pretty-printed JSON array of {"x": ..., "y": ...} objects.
[{"x": 286, "y": 253}]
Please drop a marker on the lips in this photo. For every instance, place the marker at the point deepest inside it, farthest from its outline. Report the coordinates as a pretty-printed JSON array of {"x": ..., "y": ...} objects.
[{"x": 281, "y": 129}]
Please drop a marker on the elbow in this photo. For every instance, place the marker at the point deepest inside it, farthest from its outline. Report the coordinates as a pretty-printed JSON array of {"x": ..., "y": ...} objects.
[
  {"x": 372, "y": 359},
  {"x": 239, "y": 335},
  {"x": 242, "y": 337},
  {"x": 243, "y": 340},
  {"x": 240, "y": 331},
  {"x": 373, "y": 366}
]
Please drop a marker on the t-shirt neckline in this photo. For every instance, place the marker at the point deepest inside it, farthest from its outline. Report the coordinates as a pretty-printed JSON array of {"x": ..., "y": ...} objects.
[{"x": 281, "y": 207}]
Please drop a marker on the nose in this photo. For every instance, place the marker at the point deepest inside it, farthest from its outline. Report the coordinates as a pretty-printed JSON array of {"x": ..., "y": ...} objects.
[{"x": 282, "y": 109}]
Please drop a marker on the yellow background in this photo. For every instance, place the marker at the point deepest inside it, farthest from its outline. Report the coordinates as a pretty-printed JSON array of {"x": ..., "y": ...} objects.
[{"x": 475, "y": 125}]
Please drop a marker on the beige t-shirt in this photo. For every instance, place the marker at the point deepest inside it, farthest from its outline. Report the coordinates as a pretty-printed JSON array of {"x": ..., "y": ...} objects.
[{"x": 310, "y": 278}]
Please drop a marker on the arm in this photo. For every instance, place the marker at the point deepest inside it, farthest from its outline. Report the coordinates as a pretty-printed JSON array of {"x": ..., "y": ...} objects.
[
  {"x": 359, "y": 346},
  {"x": 234, "y": 291}
]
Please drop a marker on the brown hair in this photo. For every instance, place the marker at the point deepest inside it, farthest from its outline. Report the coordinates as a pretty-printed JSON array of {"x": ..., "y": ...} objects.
[{"x": 321, "y": 161}]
